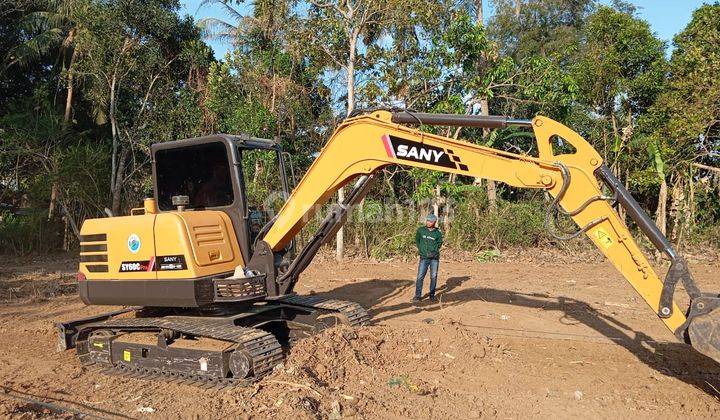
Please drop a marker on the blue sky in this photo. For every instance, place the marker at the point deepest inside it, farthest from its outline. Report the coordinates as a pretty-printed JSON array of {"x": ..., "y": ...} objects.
[{"x": 666, "y": 17}]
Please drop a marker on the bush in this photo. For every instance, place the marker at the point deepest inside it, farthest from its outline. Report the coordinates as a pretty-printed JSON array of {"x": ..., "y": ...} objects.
[
  {"x": 384, "y": 232},
  {"x": 514, "y": 224},
  {"x": 707, "y": 236},
  {"x": 26, "y": 233},
  {"x": 381, "y": 230}
]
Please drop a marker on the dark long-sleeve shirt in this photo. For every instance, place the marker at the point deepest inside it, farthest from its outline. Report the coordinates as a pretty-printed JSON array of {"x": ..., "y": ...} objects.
[{"x": 428, "y": 242}]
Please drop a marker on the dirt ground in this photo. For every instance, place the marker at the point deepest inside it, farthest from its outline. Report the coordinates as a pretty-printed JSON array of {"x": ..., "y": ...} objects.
[{"x": 507, "y": 340}]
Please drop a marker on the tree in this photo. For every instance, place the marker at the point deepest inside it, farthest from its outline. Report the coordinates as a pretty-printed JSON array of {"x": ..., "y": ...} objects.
[
  {"x": 620, "y": 72},
  {"x": 683, "y": 125},
  {"x": 338, "y": 28},
  {"x": 549, "y": 28},
  {"x": 102, "y": 80},
  {"x": 132, "y": 51},
  {"x": 268, "y": 87},
  {"x": 54, "y": 30},
  {"x": 263, "y": 55}
]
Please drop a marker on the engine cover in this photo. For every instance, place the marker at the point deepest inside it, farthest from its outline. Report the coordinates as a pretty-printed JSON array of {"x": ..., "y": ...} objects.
[{"x": 156, "y": 259}]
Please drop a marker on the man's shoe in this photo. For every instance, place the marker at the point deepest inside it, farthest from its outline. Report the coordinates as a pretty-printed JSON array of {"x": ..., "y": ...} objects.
[
  {"x": 433, "y": 298},
  {"x": 416, "y": 299}
]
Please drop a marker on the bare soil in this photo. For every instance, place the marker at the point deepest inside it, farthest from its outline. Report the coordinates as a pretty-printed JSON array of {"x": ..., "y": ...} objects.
[{"x": 507, "y": 339}]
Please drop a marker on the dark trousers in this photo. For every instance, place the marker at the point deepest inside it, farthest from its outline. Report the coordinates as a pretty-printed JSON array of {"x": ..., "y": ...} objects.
[{"x": 432, "y": 263}]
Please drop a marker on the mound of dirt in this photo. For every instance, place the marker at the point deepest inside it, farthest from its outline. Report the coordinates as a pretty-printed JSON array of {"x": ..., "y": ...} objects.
[{"x": 369, "y": 372}]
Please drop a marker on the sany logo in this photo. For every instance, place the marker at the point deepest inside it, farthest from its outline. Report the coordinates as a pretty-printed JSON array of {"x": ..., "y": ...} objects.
[
  {"x": 399, "y": 148},
  {"x": 421, "y": 153},
  {"x": 407, "y": 151}
]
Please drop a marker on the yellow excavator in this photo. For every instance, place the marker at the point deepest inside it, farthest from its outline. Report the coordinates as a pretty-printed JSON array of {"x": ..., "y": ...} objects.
[{"x": 206, "y": 274}]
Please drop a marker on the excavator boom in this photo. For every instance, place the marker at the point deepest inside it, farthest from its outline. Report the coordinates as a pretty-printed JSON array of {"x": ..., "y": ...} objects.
[{"x": 364, "y": 144}]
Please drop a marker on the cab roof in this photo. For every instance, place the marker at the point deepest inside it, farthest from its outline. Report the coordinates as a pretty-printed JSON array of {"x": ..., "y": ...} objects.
[{"x": 240, "y": 140}]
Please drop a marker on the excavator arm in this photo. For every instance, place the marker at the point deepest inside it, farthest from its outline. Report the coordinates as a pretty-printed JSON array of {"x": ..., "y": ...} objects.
[{"x": 362, "y": 145}]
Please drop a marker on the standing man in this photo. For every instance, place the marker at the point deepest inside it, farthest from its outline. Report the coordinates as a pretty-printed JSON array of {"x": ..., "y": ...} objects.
[{"x": 428, "y": 239}]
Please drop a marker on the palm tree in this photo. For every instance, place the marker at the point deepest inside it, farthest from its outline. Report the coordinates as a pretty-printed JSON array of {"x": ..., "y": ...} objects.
[
  {"x": 261, "y": 30},
  {"x": 54, "y": 28}
]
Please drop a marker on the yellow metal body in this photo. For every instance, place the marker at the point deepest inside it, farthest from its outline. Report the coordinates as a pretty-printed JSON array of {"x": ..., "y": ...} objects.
[
  {"x": 205, "y": 240},
  {"x": 357, "y": 148}
]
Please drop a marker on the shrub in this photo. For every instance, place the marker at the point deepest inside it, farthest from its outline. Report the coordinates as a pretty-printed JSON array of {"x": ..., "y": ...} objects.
[
  {"x": 31, "y": 232},
  {"x": 514, "y": 224}
]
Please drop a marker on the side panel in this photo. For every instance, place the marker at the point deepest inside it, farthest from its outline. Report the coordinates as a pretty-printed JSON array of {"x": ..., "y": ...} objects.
[
  {"x": 202, "y": 241},
  {"x": 126, "y": 244}
]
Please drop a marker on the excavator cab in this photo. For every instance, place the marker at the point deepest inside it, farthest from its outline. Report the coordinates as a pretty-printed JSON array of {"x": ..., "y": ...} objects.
[{"x": 242, "y": 176}]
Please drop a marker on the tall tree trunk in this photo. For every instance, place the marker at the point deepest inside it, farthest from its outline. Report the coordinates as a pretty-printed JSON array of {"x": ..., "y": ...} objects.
[
  {"x": 350, "y": 69},
  {"x": 485, "y": 110},
  {"x": 437, "y": 202},
  {"x": 449, "y": 207},
  {"x": 70, "y": 90},
  {"x": 114, "y": 132},
  {"x": 54, "y": 196},
  {"x": 691, "y": 202},
  {"x": 272, "y": 98},
  {"x": 661, "y": 214},
  {"x": 351, "y": 73},
  {"x": 118, "y": 182},
  {"x": 117, "y": 164},
  {"x": 518, "y": 3},
  {"x": 55, "y": 189},
  {"x": 680, "y": 211},
  {"x": 491, "y": 188}
]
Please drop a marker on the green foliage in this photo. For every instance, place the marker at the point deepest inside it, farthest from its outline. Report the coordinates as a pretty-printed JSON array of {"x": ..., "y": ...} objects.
[
  {"x": 684, "y": 118},
  {"x": 513, "y": 225},
  {"x": 383, "y": 232},
  {"x": 29, "y": 232},
  {"x": 656, "y": 157},
  {"x": 488, "y": 255},
  {"x": 709, "y": 237},
  {"x": 549, "y": 28},
  {"x": 394, "y": 239},
  {"x": 620, "y": 58}
]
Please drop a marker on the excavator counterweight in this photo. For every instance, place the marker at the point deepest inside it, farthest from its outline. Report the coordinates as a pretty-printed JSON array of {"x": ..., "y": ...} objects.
[{"x": 205, "y": 263}]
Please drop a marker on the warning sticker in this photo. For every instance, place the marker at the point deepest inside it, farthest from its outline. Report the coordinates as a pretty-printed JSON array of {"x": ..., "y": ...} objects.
[
  {"x": 604, "y": 238},
  {"x": 126, "y": 355}
]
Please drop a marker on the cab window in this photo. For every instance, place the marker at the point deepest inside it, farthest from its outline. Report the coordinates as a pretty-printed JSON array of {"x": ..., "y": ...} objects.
[
  {"x": 264, "y": 192},
  {"x": 201, "y": 172}
]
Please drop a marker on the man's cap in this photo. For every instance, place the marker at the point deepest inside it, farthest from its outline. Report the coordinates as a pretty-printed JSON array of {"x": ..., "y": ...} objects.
[{"x": 431, "y": 218}]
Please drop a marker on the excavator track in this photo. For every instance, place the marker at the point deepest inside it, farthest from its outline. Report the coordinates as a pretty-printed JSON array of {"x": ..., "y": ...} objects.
[
  {"x": 250, "y": 353},
  {"x": 246, "y": 356},
  {"x": 351, "y": 313}
]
